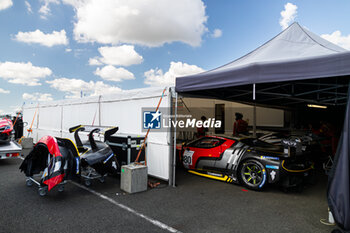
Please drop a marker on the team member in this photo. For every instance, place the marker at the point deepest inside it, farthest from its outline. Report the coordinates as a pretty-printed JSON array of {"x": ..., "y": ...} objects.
[
  {"x": 201, "y": 131},
  {"x": 240, "y": 126}
]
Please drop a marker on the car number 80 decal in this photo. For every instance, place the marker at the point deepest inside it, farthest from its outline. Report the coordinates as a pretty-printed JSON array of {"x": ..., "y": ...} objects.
[{"x": 187, "y": 157}]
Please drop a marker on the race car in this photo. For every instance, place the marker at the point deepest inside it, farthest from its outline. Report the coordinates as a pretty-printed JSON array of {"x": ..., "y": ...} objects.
[
  {"x": 247, "y": 161},
  {"x": 6, "y": 130}
]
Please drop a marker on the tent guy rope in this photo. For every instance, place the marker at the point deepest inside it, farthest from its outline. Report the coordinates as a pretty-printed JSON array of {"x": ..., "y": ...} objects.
[{"x": 144, "y": 142}]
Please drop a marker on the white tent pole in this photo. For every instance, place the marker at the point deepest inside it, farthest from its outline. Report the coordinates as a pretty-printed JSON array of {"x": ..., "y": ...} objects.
[
  {"x": 62, "y": 121},
  {"x": 254, "y": 113},
  {"x": 37, "y": 124},
  {"x": 99, "y": 110},
  {"x": 174, "y": 158}
]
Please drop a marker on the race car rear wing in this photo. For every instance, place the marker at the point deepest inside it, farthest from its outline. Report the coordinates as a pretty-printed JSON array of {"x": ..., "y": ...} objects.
[{"x": 293, "y": 146}]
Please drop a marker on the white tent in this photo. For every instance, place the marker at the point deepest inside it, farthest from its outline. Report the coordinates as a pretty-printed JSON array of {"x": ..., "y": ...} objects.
[
  {"x": 294, "y": 54},
  {"x": 121, "y": 109},
  {"x": 294, "y": 43}
]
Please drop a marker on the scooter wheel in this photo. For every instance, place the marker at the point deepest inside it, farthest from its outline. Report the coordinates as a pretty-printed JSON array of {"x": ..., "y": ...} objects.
[
  {"x": 43, "y": 191},
  {"x": 87, "y": 182},
  {"x": 29, "y": 183},
  {"x": 102, "y": 179},
  {"x": 60, "y": 188}
]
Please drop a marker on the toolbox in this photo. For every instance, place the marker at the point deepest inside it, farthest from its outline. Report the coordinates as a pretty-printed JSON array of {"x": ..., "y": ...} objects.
[{"x": 126, "y": 147}]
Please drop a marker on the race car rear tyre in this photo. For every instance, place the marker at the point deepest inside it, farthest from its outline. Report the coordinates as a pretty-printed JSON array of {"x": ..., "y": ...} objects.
[{"x": 252, "y": 174}]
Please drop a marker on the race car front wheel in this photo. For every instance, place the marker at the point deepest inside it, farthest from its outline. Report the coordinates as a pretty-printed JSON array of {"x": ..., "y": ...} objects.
[{"x": 252, "y": 174}]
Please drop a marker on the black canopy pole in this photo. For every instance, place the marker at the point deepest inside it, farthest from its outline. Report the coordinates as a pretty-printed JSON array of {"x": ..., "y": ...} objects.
[{"x": 254, "y": 113}]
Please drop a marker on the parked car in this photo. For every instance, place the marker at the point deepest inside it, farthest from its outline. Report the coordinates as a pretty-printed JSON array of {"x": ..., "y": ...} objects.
[
  {"x": 248, "y": 161},
  {"x": 6, "y": 130}
]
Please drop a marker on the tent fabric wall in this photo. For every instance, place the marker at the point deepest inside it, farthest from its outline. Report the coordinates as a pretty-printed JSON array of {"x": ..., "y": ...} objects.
[
  {"x": 123, "y": 110},
  {"x": 30, "y": 118},
  {"x": 198, "y": 107},
  {"x": 128, "y": 116}
]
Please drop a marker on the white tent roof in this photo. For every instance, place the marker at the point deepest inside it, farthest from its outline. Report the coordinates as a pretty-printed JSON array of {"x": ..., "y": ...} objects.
[
  {"x": 279, "y": 69},
  {"x": 291, "y": 44},
  {"x": 294, "y": 54}
]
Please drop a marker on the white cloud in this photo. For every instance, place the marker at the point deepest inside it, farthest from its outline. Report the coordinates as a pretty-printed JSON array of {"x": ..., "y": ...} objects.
[
  {"x": 45, "y": 10},
  {"x": 74, "y": 87},
  {"x": 79, "y": 52},
  {"x": 68, "y": 50},
  {"x": 23, "y": 73},
  {"x": 151, "y": 23},
  {"x": 114, "y": 74},
  {"x": 41, "y": 97},
  {"x": 4, "y": 4},
  {"x": 29, "y": 7},
  {"x": 288, "y": 15},
  {"x": 16, "y": 109},
  {"x": 75, "y": 3},
  {"x": 95, "y": 61},
  {"x": 177, "y": 69},
  {"x": 124, "y": 55},
  {"x": 337, "y": 38},
  {"x": 38, "y": 37},
  {"x": 216, "y": 33},
  {"x": 2, "y": 91}
]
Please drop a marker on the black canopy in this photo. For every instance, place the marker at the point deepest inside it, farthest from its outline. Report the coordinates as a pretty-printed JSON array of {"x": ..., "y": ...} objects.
[
  {"x": 338, "y": 192},
  {"x": 295, "y": 66}
]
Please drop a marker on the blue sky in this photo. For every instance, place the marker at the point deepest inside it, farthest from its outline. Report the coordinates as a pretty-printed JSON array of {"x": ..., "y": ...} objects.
[{"x": 55, "y": 49}]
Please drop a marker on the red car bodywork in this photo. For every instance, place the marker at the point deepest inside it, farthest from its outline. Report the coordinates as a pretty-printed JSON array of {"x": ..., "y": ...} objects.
[
  {"x": 214, "y": 150},
  {"x": 54, "y": 176},
  {"x": 6, "y": 128}
]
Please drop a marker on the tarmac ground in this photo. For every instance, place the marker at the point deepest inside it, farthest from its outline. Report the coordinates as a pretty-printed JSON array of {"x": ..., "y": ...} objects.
[{"x": 197, "y": 204}]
